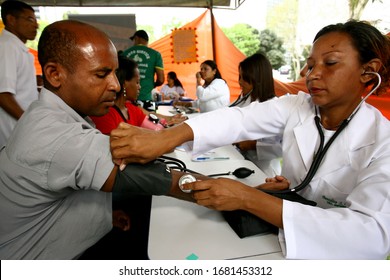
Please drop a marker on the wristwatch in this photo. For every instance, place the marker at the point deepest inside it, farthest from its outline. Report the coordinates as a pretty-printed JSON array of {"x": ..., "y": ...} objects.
[
  {"x": 187, "y": 178},
  {"x": 153, "y": 118}
]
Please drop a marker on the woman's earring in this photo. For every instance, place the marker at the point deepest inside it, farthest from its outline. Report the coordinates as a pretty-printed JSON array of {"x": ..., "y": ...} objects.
[{"x": 124, "y": 92}]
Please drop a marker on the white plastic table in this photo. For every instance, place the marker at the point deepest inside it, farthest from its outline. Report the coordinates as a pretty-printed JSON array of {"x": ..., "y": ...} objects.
[{"x": 184, "y": 230}]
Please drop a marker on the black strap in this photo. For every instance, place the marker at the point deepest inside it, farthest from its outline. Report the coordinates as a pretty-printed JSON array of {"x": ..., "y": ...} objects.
[
  {"x": 240, "y": 99},
  {"x": 120, "y": 113}
]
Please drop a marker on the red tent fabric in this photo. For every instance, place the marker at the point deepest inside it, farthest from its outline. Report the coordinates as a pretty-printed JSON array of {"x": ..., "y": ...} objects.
[
  {"x": 227, "y": 55},
  {"x": 38, "y": 69}
]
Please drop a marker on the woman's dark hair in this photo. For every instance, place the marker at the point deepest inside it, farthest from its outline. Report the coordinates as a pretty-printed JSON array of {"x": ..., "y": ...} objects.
[
  {"x": 176, "y": 81},
  {"x": 213, "y": 66},
  {"x": 126, "y": 70},
  {"x": 257, "y": 71},
  {"x": 369, "y": 42}
]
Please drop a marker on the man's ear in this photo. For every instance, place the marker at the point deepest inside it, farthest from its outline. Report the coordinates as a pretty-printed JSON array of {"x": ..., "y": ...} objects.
[
  {"x": 53, "y": 74},
  {"x": 374, "y": 65},
  {"x": 11, "y": 20}
]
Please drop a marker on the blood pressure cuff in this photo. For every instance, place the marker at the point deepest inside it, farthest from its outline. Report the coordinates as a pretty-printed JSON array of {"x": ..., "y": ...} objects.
[
  {"x": 153, "y": 178},
  {"x": 246, "y": 224}
]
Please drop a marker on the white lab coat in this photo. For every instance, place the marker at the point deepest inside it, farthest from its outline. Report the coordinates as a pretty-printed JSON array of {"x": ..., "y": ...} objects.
[
  {"x": 351, "y": 187},
  {"x": 268, "y": 153},
  {"x": 216, "y": 95}
]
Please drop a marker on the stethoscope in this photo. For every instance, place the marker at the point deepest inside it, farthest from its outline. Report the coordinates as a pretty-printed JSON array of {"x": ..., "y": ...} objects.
[
  {"x": 321, "y": 151},
  {"x": 174, "y": 163},
  {"x": 241, "y": 99}
]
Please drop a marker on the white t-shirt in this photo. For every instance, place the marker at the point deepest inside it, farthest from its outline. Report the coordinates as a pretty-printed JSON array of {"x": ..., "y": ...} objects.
[
  {"x": 172, "y": 92},
  {"x": 17, "y": 77}
]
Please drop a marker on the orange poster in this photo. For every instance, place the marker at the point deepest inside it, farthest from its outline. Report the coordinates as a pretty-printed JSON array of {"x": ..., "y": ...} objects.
[{"x": 184, "y": 45}]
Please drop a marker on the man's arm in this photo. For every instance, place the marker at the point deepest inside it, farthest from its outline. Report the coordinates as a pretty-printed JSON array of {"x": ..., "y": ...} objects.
[
  {"x": 10, "y": 105},
  {"x": 109, "y": 184},
  {"x": 150, "y": 179},
  {"x": 160, "y": 77}
]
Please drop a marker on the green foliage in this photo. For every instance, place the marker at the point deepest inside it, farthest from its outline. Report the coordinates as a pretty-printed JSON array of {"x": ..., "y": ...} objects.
[
  {"x": 150, "y": 30},
  {"x": 244, "y": 37},
  {"x": 283, "y": 19},
  {"x": 305, "y": 54},
  {"x": 272, "y": 46},
  {"x": 168, "y": 27},
  {"x": 249, "y": 41},
  {"x": 356, "y": 7}
]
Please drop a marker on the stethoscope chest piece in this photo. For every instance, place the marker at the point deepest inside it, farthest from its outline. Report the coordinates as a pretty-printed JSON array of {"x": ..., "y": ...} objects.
[{"x": 187, "y": 178}]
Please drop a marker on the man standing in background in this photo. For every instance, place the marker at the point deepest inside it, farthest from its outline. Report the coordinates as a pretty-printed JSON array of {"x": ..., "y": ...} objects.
[
  {"x": 150, "y": 64},
  {"x": 17, "y": 77}
]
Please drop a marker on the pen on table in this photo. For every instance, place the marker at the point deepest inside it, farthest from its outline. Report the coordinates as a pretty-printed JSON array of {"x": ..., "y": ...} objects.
[{"x": 211, "y": 158}]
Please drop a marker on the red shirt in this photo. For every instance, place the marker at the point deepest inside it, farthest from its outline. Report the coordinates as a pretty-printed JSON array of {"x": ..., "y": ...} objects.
[{"x": 112, "y": 119}]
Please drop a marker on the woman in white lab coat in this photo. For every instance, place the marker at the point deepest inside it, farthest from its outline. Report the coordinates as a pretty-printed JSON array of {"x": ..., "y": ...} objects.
[
  {"x": 257, "y": 85},
  {"x": 212, "y": 91},
  {"x": 352, "y": 184}
]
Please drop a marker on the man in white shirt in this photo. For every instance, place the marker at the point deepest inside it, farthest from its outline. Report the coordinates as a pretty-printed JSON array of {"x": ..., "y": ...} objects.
[{"x": 17, "y": 79}]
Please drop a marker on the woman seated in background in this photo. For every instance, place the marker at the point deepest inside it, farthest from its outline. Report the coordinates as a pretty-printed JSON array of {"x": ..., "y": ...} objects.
[
  {"x": 125, "y": 108},
  {"x": 173, "y": 90},
  {"x": 213, "y": 93},
  {"x": 257, "y": 84}
]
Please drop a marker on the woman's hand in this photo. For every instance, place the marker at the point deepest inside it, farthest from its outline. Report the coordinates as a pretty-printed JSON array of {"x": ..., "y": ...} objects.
[
  {"x": 198, "y": 79},
  {"x": 276, "y": 183},
  {"x": 219, "y": 194},
  {"x": 246, "y": 145},
  {"x": 176, "y": 119},
  {"x": 224, "y": 194},
  {"x": 134, "y": 144}
]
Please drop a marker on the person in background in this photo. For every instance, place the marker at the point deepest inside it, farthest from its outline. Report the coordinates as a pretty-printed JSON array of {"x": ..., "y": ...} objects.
[
  {"x": 150, "y": 64},
  {"x": 257, "y": 85},
  {"x": 18, "y": 85},
  {"x": 351, "y": 185},
  {"x": 173, "y": 90},
  {"x": 212, "y": 90},
  {"x": 137, "y": 207},
  {"x": 56, "y": 171},
  {"x": 125, "y": 108}
]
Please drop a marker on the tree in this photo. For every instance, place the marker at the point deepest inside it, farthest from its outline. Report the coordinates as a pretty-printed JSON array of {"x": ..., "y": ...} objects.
[
  {"x": 174, "y": 23},
  {"x": 283, "y": 20},
  {"x": 272, "y": 46},
  {"x": 34, "y": 43},
  {"x": 356, "y": 8},
  {"x": 150, "y": 30},
  {"x": 244, "y": 37}
]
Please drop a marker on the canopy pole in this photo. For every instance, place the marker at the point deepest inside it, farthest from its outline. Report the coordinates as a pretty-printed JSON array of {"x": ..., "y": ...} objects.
[{"x": 211, "y": 4}]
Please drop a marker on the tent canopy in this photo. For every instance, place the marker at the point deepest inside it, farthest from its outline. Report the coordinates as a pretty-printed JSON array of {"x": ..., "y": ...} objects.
[{"x": 140, "y": 3}]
